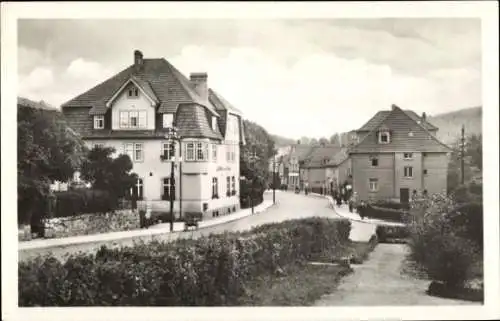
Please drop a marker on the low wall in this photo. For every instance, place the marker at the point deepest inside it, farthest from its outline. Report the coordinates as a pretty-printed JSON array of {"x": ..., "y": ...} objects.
[{"x": 86, "y": 224}]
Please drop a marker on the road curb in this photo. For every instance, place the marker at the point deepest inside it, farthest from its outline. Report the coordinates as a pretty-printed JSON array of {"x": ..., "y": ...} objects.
[
  {"x": 332, "y": 206},
  {"x": 123, "y": 235}
]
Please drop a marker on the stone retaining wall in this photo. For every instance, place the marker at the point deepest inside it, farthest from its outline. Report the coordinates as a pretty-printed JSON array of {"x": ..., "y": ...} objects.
[{"x": 86, "y": 224}]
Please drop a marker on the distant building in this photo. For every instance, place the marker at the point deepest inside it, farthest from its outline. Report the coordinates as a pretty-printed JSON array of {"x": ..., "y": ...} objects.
[
  {"x": 315, "y": 168},
  {"x": 398, "y": 154},
  {"x": 296, "y": 157}
]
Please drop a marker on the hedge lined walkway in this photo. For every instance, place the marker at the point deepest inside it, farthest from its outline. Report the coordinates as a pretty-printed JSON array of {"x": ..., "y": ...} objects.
[{"x": 379, "y": 281}]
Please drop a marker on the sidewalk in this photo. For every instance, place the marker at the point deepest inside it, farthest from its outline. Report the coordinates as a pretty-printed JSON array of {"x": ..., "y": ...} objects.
[
  {"x": 152, "y": 230},
  {"x": 381, "y": 281},
  {"x": 343, "y": 211}
]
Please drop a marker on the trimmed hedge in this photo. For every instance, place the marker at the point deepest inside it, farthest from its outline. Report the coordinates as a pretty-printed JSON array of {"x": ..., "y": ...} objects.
[
  {"x": 208, "y": 271},
  {"x": 83, "y": 201},
  {"x": 382, "y": 213}
]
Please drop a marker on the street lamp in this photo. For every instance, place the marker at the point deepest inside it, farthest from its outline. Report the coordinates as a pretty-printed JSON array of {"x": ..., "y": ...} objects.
[
  {"x": 253, "y": 157},
  {"x": 172, "y": 137},
  {"x": 274, "y": 179}
]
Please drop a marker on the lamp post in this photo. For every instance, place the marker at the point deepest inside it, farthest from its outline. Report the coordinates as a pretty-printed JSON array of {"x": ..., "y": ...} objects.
[
  {"x": 274, "y": 180},
  {"x": 172, "y": 137},
  {"x": 253, "y": 157}
]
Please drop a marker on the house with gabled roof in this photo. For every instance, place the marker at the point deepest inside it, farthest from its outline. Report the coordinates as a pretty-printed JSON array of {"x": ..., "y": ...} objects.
[
  {"x": 294, "y": 159},
  {"x": 132, "y": 112},
  {"x": 397, "y": 155},
  {"x": 316, "y": 166}
]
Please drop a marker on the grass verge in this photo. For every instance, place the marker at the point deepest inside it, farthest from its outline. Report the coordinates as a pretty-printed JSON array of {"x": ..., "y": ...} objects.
[{"x": 302, "y": 285}]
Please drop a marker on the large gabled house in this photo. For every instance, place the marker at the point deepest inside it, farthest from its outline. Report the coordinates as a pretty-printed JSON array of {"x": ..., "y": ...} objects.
[
  {"x": 132, "y": 112},
  {"x": 397, "y": 155}
]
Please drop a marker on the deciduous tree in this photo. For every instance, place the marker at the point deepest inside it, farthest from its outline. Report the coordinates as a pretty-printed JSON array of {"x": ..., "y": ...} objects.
[{"x": 48, "y": 151}]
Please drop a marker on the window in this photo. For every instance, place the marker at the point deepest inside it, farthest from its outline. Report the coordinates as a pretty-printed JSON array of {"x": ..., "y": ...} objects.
[
  {"x": 133, "y": 92},
  {"x": 408, "y": 171},
  {"x": 407, "y": 155},
  {"x": 233, "y": 185},
  {"x": 374, "y": 161},
  {"x": 373, "y": 184},
  {"x": 133, "y": 119},
  {"x": 138, "y": 153},
  {"x": 99, "y": 122},
  {"x": 228, "y": 186},
  {"x": 168, "y": 189},
  {"x": 98, "y": 145},
  {"x": 214, "y": 152},
  {"x": 190, "y": 151},
  {"x": 383, "y": 137},
  {"x": 168, "y": 151},
  {"x": 214, "y": 123},
  {"x": 200, "y": 152},
  {"x": 138, "y": 189},
  {"x": 135, "y": 151},
  {"x": 425, "y": 172},
  {"x": 349, "y": 172},
  {"x": 215, "y": 188},
  {"x": 168, "y": 120}
]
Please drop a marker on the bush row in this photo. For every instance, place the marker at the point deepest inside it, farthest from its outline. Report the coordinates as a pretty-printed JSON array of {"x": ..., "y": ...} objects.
[
  {"x": 76, "y": 202},
  {"x": 369, "y": 210},
  {"x": 208, "y": 271}
]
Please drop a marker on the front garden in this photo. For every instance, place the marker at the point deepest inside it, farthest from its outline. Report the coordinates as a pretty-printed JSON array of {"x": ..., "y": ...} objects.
[{"x": 268, "y": 265}]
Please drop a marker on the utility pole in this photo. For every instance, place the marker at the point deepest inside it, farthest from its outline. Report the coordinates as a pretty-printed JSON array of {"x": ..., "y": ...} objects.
[
  {"x": 274, "y": 180},
  {"x": 462, "y": 153}
]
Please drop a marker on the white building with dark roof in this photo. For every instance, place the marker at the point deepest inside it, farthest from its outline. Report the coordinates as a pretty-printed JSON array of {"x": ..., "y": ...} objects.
[{"x": 132, "y": 111}]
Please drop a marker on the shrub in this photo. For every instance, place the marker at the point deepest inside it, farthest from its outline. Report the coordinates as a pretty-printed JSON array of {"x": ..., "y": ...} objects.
[
  {"x": 439, "y": 242},
  {"x": 76, "y": 202},
  {"x": 382, "y": 213},
  {"x": 212, "y": 270}
]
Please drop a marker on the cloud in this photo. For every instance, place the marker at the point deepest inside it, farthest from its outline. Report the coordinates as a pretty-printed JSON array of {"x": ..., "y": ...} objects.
[
  {"x": 294, "y": 77},
  {"x": 40, "y": 77},
  {"x": 82, "y": 69}
]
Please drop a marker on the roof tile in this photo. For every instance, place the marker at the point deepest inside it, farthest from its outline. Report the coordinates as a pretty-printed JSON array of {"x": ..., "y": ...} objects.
[{"x": 400, "y": 124}]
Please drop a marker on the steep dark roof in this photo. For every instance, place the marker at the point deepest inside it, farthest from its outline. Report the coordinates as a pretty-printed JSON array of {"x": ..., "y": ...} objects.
[
  {"x": 375, "y": 121},
  {"x": 168, "y": 84},
  {"x": 339, "y": 158},
  {"x": 192, "y": 121},
  {"x": 400, "y": 124},
  {"x": 223, "y": 107},
  {"x": 168, "y": 88},
  {"x": 300, "y": 151},
  {"x": 321, "y": 155},
  {"x": 221, "y": 103}
]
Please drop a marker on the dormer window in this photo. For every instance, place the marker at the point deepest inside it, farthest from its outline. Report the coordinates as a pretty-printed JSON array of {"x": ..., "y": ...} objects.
[
  {"x": 133, "y": 92},
  {"x": 168, "y": 120},
  {"x": 384, "y": 137},
  {"x": 214, "y": 123},
  {"x": 99, "y": 122}
]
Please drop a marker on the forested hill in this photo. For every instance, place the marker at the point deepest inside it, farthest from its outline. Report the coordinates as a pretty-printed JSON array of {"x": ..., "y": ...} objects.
[
  {"x": 281, "y": 141},
  {"x": 450, "y": 124}
]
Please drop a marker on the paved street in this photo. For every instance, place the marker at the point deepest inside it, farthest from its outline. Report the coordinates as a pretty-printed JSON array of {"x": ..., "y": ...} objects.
[{"x": 289, "y": 206}]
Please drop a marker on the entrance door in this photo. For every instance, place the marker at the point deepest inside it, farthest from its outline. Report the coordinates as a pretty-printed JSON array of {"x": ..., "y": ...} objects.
[{"x": 404, "y": 195}]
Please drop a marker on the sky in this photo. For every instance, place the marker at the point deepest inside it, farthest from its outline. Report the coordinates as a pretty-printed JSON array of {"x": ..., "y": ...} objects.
[{"x": 295, "y": 77}]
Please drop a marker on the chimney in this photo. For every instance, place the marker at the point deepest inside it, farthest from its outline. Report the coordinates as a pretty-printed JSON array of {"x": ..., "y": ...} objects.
[
  {"x": 138, "y": 60},
  {"x": 424, "y": 116},
  {"x": 393, "y": 107},
  {"x": 199, "y": 80}
]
